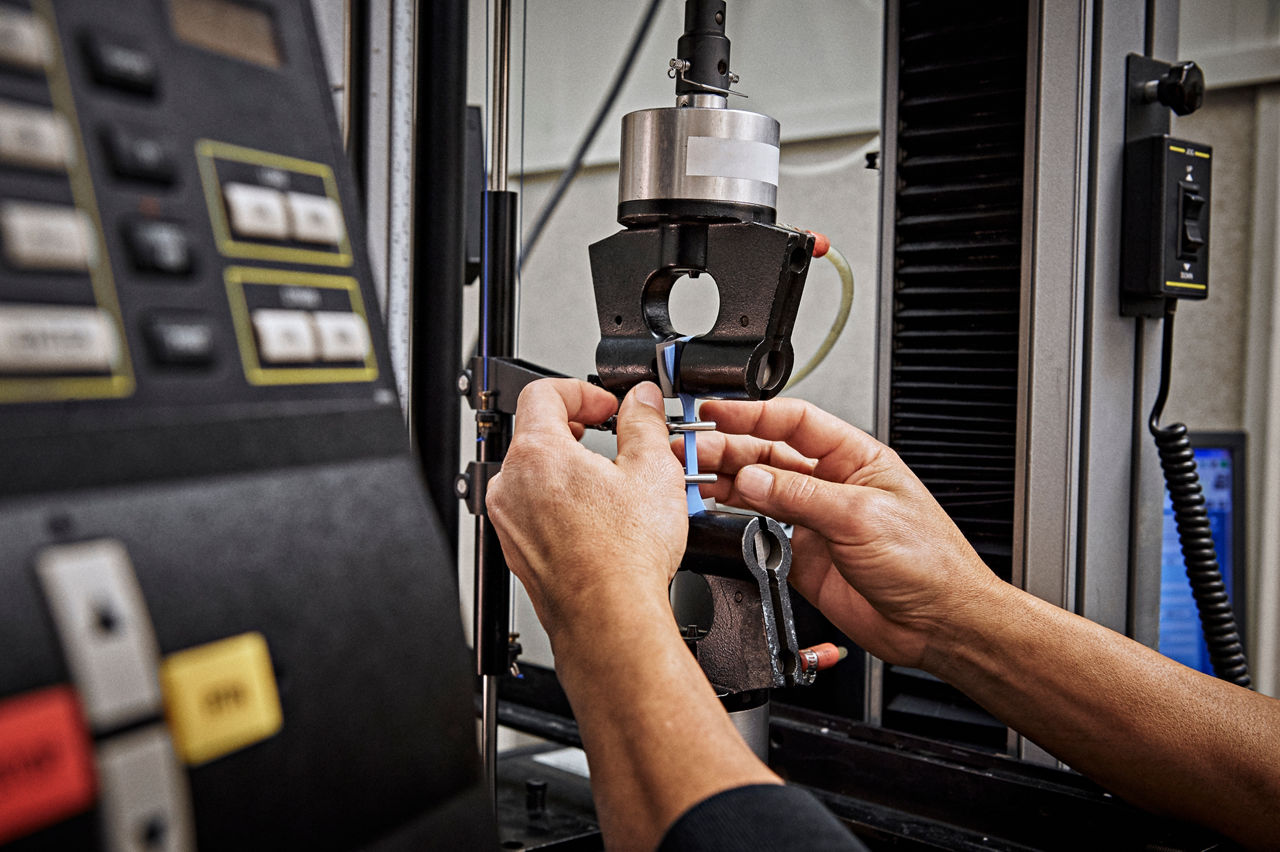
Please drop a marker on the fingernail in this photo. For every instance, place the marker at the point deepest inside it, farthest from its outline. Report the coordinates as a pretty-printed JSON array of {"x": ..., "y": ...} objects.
[
  {"x": 648, "y": 394},
  {"x": 754, "y": 483}
]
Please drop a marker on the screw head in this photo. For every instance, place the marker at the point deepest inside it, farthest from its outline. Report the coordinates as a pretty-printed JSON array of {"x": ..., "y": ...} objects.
[
  {"x": 464, "y": 383},
  {"x": 462, "y": 486}
]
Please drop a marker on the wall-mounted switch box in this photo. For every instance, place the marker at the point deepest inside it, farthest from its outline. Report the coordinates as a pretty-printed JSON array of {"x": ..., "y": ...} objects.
[{"x": 1166, "y": 223}]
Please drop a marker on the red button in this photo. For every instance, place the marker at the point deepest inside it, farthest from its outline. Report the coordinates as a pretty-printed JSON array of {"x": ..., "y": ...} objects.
[{"x": 46, "y": 762}]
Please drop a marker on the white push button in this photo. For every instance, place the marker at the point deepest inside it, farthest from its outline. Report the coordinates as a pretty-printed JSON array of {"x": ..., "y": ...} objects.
[
  {"x": 285, "y": 337},
  {"x": 146, "y": 804},
  {"x": 46, "y": 236},
  {"x": 35, "y": 137},
  {"x": 48, "y": 339},
  {"x": 24, "y": 42},
  {"x": 106, "y": 633},
  {"x": 343, "y": 336},
  {"x": 315, "y": 219},
  {"x": 256, "y": 212}
]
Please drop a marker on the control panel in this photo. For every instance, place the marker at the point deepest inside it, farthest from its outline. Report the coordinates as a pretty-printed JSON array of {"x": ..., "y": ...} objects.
[
  {"x": 165, "y": 242},
  {"x": 227, "y": 607},
  {"x": 1166, "y": 214}
]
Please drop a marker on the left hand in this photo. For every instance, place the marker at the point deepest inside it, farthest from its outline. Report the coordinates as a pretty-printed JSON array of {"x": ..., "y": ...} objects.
[{"x": 577, "y": 528}]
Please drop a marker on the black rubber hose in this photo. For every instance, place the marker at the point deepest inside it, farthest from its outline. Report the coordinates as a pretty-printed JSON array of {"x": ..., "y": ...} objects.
[{"x": 1177, "y": 460}]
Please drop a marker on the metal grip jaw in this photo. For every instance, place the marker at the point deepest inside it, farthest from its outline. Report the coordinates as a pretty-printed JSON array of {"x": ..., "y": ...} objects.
[
  {"x": 760, "y": 271},
  {"x": 750, "y": 642}
]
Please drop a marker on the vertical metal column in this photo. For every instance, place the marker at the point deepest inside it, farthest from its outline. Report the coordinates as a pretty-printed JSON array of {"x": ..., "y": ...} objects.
[
  {"x": 438, "y": 249},
  {"x": 493, "y": 429}
]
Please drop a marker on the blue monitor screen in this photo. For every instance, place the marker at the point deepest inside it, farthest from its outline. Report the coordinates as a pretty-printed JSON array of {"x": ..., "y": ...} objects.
[{"x": 1180, "y": 634}]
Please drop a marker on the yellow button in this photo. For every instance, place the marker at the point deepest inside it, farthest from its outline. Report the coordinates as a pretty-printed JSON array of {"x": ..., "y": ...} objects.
[{"x": 220, "y": 697}]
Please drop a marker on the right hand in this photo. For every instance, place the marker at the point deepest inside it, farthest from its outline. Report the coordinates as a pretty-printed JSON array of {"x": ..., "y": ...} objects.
[{"x": 872, "y": 549}]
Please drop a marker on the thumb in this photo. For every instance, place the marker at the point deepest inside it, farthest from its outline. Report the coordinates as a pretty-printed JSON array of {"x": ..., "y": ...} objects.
[
  {"x": 642, "y": 424},
  {"x": 795, "y": 498}
]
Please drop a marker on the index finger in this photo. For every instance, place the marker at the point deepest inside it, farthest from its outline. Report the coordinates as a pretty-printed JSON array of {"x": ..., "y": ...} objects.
[
  {"x": 841, "y": 449},
  {"x": 550, "y": 405}
]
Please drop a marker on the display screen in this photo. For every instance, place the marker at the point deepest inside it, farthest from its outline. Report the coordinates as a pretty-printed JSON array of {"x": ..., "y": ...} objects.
[
  {"x": 233, "y": 29},
  {"x": 1180, "y": 635}
]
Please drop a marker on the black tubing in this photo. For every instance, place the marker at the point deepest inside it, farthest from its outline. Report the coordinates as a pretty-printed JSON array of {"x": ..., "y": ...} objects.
[{"x": 1177, "y": 460}]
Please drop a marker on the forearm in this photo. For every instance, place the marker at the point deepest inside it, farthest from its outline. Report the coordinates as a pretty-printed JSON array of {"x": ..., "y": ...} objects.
[
  {"x": 1148, "y": 729},
  {"x": 656, "y": 737}
]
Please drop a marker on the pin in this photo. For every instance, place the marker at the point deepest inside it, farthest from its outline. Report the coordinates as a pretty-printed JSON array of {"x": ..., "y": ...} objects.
[
  {"x": 699, "y": 478},
  {"x": 691, "y": 426}
]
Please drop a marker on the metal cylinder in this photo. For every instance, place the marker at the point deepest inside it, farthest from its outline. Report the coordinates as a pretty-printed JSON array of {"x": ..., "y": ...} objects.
[
  {"x": 749, "y": 712},
  {"x": 697, "y": 163}
]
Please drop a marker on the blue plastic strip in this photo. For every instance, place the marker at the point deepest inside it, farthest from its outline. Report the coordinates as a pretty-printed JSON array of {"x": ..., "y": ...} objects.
[{"x": 692, "y": 493}]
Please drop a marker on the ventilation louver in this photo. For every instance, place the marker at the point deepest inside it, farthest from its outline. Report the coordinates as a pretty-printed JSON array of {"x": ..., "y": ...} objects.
[{"x": 957, "y": 268}]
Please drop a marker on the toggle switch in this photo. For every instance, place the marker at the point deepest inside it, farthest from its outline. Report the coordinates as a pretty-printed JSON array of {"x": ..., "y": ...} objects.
[{"x": 1190, "y": 206}]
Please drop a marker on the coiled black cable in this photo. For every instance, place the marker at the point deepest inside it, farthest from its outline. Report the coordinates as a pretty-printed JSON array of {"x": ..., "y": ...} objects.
[{"x": 1177, "y": 460}]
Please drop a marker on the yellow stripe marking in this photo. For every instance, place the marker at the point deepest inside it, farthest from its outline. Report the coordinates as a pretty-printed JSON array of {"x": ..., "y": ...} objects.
[{"x": 1186, "y": 286}]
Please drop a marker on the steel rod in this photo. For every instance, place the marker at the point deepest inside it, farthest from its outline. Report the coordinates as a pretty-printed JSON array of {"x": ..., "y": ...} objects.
[
  {"x": 501, "y": 89},
  {"x": 489, "y": 733}
]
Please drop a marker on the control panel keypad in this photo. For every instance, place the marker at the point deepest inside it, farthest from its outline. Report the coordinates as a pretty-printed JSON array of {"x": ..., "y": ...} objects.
[
  {"x": 34, "y": 137},
  {"x": 139, "y": 154},
  {"x": 60, "y": 330},
  {"x": 342, "y": 336},
  {"x": 158, "y": 246},
  {"x": 180, "y": 340},
  {"x": 315, "y": 219},
  {"x": 126, "y": 244},
  {"x": 57, "y": 340},
  {"x": 256, "y": 212},
  {"x": 265, "y": 206},
  {"x": 119, "y": 64},
  {"x": 297, "y": 328},
  {"x": 24, "y": 41},
  {"x": 46, "y": 237},
  {"x": 285, "y": 337}
]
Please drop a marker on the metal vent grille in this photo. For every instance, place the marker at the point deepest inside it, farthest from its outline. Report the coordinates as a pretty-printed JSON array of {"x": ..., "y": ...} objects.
[
  {"x": 956, "y": 292},
  {"x": 954, "y": 369}
]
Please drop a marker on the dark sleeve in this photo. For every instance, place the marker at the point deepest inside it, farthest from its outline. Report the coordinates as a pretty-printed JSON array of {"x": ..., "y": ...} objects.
[{"x": 760, "y": 817}]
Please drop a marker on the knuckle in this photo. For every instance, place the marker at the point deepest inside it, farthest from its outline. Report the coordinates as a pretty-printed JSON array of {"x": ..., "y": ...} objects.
[{"x": 799, "y": 490}]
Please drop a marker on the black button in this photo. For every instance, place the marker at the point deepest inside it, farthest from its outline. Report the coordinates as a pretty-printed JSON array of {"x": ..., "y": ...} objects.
[
  {"x": 123, "y": 66},
  {"x": 180, "y": 341},
  {"x": 159, "y": 247},
  {"x": 137, "y": 155}
]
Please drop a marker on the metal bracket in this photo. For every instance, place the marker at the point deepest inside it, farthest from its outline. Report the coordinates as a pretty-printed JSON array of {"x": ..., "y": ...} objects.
[
  {"x": 1143, "y": 117},
  {"x": 507, "y": 377},
  {"x": 473, "y": 485}
]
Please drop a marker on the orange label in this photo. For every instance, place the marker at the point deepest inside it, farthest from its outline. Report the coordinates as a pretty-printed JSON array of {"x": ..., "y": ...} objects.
[{"x": 46, "y": 761}]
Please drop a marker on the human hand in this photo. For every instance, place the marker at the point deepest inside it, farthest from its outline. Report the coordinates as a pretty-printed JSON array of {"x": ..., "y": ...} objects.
[
  {"x": 872, "y": 549},
  {"x": 577, "y": 528}
]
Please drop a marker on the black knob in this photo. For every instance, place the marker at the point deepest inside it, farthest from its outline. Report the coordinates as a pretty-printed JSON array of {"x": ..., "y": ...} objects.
[{"x": 1181, "y": 88}]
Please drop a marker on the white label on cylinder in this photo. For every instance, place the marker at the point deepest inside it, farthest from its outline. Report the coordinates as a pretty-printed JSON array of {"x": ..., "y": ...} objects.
[{"x": 712, "y": 156}]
